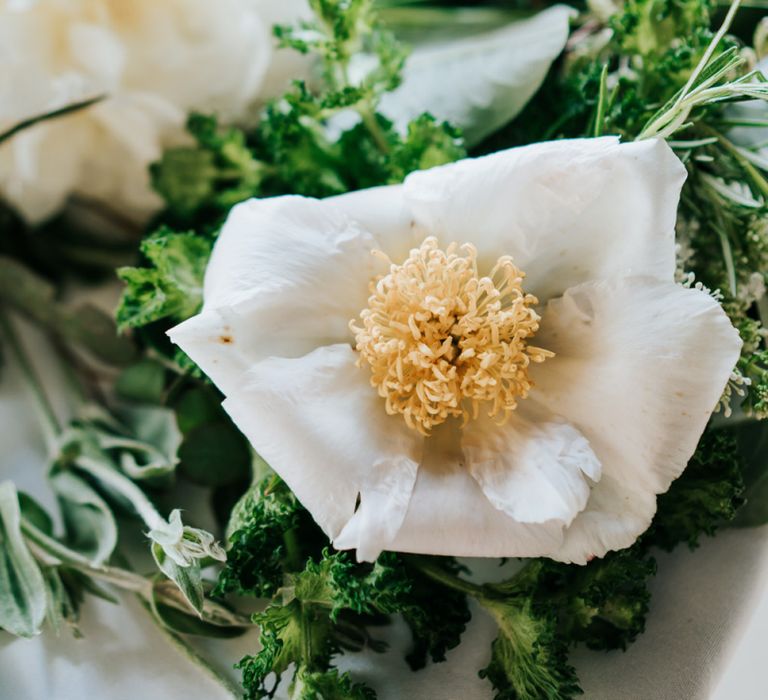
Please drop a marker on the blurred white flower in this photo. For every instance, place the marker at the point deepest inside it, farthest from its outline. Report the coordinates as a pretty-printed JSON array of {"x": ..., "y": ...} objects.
[
  {"x": 155, "y": 61},
  {"x": 471, "y": 409},
  {"x": 480, "y": 82}
]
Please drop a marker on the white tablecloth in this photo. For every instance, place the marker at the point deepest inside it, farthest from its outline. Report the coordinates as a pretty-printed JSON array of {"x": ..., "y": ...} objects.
[{"x": 703, "y": 604}]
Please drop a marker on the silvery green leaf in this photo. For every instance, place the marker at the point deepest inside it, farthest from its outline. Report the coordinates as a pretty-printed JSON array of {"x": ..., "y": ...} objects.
[
  {"x": 157, "y": 438},
  {"x": 23, "y": 600},
  {"x": 62, "y": 609},
  {"x": 479, "y": 83},
  {"x": 184, "y": 623},
  {"x": 187, "y": 578},
  {"x": 142, "y": 440},
  {"x": 90, "y": 525}
]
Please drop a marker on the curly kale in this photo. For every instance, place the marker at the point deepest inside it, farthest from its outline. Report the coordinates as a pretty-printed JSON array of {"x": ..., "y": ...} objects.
[
  {"x": 208, "y": 179},
  {"x": 264, "y": 532},
  {"x": 436, "y": 621},
  {"x": 171, "y": 286},
  {"x": 707, "y": 494},
  {"x": 529, "y": 659},
  {"x": 603, "y": 604}
]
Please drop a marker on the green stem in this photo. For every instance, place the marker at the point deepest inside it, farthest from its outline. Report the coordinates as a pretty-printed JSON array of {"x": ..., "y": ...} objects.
[
  {"x": 292, "y": 550},
  {"x": 50, "y": 421},
  {"x": 601, "y": 102},
  {"x": 368, "y": 115},
  {"x": 446, "y": 578},
  {"x": 52, "y": 552},
  {"x": 187, "y": 650},
  {"x": 4, "y": 136},
  {"x": 710, "y": 50}
]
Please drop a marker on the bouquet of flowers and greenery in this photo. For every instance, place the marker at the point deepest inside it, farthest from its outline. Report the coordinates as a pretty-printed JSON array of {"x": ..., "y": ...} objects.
[{"x": 402, "y": 285}]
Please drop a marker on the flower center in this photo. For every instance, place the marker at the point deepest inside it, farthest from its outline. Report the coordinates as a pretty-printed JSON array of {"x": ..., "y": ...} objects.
[{"x": 441, "y": 341}]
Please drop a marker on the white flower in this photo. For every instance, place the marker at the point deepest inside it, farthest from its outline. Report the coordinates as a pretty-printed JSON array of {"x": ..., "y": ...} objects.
[
  {"x": 570, "y": 472},
  {"x": 480, "y": 82},
  {"x": 183, "y": 544},
  {"x": 156, "y": 61}
]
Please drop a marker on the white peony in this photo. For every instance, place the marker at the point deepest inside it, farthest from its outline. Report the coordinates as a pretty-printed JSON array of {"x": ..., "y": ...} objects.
[
  {"x": 498, "y": 423},
  {"x": 156, "y": 61}
]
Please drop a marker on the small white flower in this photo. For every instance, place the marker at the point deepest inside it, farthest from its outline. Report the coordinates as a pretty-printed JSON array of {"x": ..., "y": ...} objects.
[
  {"x": 183, "y": 544},
  {"x": 156, "y": 61},
  {"x": 538, "y": 402}
]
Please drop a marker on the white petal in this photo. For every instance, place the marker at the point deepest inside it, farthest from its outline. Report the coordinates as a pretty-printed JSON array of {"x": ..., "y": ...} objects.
[
  {"x": 479, "y": 83},
  {"x": 286, "y": 276},
  {"x": 383, "y": 212},
  {"x": 640, "y": 364},
  {"x": 534, "y": 468},
  {"x": 320, "y": 425},
  {"x": 567, "y": 211},
  {"x": 449, "y": 513},
  {"x": 616, "y": 515}
]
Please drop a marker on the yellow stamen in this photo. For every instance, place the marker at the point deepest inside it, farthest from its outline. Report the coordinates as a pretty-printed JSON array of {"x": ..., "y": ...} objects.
[{"x": 441, "y": 340}]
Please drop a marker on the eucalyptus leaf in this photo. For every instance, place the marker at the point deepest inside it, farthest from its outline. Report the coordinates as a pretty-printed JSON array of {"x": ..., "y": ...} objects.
[
  {"x": 89, "y": 522},
  {"x": 479, "y": 83},
  {"x": 23, "y": 597},
  {"x": 151, "y": 451},
  {"x": 187, "y": 578}
]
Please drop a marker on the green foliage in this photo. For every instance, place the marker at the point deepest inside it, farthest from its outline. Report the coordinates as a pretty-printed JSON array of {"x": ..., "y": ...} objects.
[
  {"x": 708, "y": 494},
  {"x": 311, "y": 143},
  {"x": 207, "y": 179},
  {"x": 289, "y": 634},
  {"x": 329, "y": 685},
  {"x": 171, "y": 286},
  {"x": 529, "y": 660},
  {"x": 603, "y": 604},
  {"x": 752, "y": 439},
  {"x": 436, "y": 621},
  {"x": 260, "y": 535}
]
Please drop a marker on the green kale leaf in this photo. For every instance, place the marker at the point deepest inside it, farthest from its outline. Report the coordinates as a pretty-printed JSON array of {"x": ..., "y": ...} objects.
[
  {"x": 171, "y": 286},
  {"x": 529, "y": 659},
  {"x": 209, "y": 178},
  {"x": 263, "y": 540},
  {"x": 706, "y": 495}
]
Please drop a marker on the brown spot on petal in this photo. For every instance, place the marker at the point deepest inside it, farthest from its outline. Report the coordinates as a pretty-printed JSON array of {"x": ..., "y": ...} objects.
[{"x": 226, "y": 339}]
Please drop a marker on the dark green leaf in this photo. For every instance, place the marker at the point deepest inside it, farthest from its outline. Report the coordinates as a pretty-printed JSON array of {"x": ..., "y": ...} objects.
[
  {"x": 753, "y": 446},
  {"x": 197, "y": 406},
  {"x": 31, "y": 510},
  {"x": 142, "y": 382},
  {"x": 214, "y": 454}
]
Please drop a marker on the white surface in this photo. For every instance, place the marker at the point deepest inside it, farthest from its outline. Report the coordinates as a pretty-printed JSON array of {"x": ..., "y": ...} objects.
[
  {"x": 705, "y": 608},
  {"x": 745, "y": 675}
]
